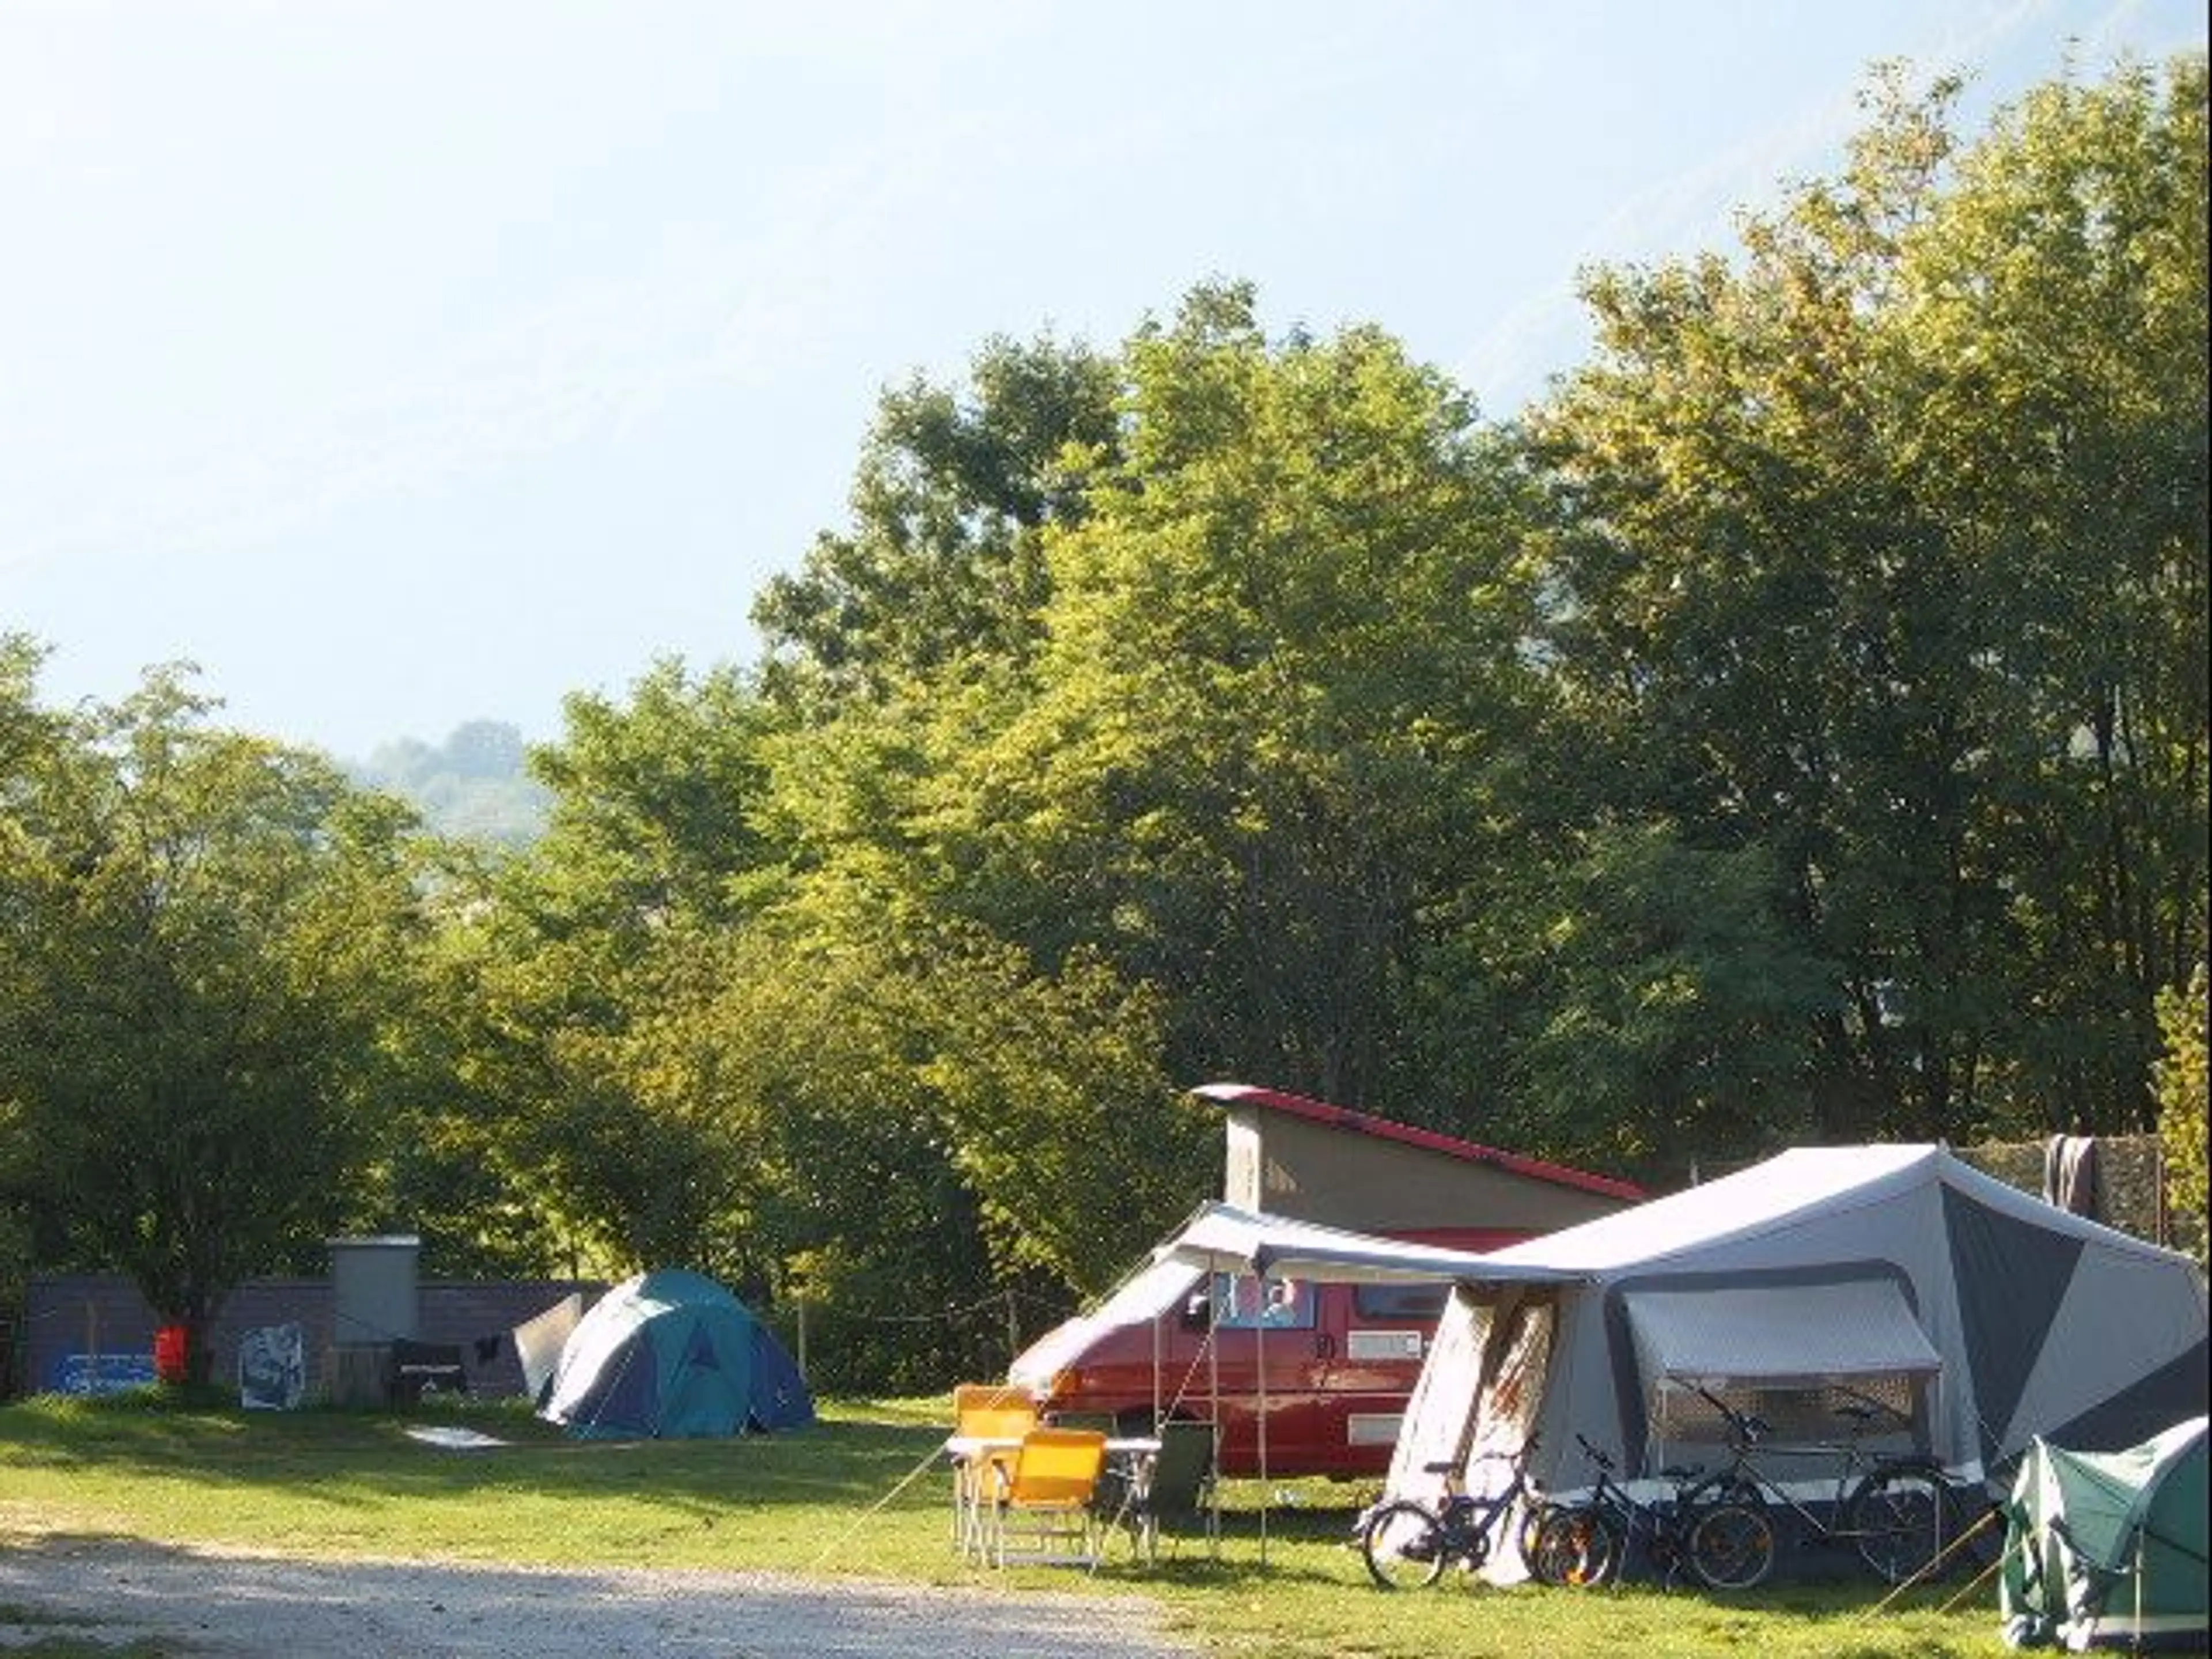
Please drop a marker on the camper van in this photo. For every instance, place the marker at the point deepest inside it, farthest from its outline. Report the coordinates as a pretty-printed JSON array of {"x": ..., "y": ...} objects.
[
  {"x": 1328, "y": 1364},
  {"x": 1334, "y": 1364}
]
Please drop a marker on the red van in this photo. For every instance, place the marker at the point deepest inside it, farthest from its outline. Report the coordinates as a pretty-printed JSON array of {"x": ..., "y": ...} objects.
[{"x": 1341, "y": 1361}]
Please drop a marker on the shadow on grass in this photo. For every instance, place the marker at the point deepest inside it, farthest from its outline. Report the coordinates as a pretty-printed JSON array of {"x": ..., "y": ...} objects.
[{"x": 836, "y": 1460}]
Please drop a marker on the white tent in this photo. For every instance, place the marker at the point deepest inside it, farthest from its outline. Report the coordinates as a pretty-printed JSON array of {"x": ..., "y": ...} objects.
[{"x": 1988, "y": 1315}]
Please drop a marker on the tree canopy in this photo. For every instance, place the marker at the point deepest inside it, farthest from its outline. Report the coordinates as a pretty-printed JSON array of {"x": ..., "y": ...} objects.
[
  {"x": 207, "y": 938},
  {"x": 1793, "y": 725}
]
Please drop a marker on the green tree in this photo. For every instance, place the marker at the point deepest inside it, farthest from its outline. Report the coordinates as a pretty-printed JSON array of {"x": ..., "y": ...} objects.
[
  {"x": 1281, "y": 647},
  {"x": 1882, "y": 550},
  {"x": 591, "y": 1061},
  {"x": 2048, "y": 351},
  {"x": 1678, "y": 1007},
  {"x": 942, "y": 1140},
  {"x": 944, "y": 558},
  {"x": 2182, "y": 1087},
  {"x": 653, "y": 798},
  {"x": 210, "y": 938},
  {"x": 31, "y": 741}
]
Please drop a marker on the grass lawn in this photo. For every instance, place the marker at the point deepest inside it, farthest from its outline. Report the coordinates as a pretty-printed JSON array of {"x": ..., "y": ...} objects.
[{"x": 862, "y": 1494}]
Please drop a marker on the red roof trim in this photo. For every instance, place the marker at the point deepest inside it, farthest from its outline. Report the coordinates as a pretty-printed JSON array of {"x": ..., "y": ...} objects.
[{"x": 1343, "y": 1117}]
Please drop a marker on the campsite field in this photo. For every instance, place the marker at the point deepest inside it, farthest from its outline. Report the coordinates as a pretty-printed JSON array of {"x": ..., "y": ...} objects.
[{"x": 861, "y": 1496}]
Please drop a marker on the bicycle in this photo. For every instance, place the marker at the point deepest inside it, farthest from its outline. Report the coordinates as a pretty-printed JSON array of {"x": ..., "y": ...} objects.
[
  {"x": 1406, "y": 1542},
  {"x": 1899, "y": 1512},
  {"x": 1589, "y": 1541}
]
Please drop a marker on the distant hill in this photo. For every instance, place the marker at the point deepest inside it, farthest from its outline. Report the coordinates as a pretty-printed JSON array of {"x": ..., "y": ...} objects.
[{"x": 473, "y": 786}]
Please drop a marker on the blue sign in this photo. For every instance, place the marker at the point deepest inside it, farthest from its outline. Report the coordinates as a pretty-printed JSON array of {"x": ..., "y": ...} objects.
[{"x": 103, "y": 1373}]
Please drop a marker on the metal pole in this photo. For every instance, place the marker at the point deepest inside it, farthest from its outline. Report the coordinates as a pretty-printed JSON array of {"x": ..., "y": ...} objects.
[
  {"x": 1259, "y": 1349},
  {"x": 1213, "y": 1376}
]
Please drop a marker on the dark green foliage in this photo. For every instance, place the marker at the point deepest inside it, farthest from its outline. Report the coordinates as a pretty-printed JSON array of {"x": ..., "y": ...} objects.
[
  {"x": 1794, "y": 728},
  {"x": 207, "y": 938}
]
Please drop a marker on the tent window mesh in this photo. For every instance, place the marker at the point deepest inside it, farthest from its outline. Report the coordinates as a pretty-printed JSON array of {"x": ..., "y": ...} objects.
[{"x": 1681, "y": 1417}]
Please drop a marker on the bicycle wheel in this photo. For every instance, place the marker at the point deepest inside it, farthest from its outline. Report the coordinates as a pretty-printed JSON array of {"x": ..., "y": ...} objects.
[
  {"x": 1533, "y": 1517},
  {"x": 1403, "y": 1547},
  {"x": 1580, "y": 1544},
  {"x": 1732, "y": 1545},
  {"x": 1901, "y": 1520}
]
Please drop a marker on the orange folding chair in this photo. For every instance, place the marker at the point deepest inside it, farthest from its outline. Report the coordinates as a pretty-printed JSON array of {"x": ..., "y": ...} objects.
[
  {"x": 1040, "y": 1508},
  {"x": 988, "y": 1422}
]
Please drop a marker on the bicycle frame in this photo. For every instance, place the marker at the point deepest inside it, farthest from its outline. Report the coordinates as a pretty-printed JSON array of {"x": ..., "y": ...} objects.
[
  {"x": 1744, "y": 1475},
  {"x": 1592, "y": 1540},
  {"x": 1897, "y": 1510},
  {"x": 1405, "y": 1540}
]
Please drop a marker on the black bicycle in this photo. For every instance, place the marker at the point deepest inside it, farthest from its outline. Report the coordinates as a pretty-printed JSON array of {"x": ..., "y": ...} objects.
[
  {"x": 1407, "y": 1543},
  {"x": 1590, "y": 1542},
  {"x": 1900, "y": 1512}
]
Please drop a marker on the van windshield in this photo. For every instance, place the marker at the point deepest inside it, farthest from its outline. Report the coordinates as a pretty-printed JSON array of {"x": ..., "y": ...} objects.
[{"x": 1246, "y": 1304}]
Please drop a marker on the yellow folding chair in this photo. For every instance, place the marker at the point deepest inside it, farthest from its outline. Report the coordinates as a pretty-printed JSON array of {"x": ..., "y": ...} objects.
[
  {"x": 988, "y": 1422},
  {"x": 1041, "y": 1509}
]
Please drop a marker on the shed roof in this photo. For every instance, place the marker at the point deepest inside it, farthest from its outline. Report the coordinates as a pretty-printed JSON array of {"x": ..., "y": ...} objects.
[{"x": 1345, "y": 1119}]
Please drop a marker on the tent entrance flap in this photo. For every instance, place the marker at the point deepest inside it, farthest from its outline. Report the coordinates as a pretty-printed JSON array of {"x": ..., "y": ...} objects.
[{"x": 1778, "y": 1335}]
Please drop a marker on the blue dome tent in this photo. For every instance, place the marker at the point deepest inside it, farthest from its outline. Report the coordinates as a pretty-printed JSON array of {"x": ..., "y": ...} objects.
[{"x": 672, "y": 1355}]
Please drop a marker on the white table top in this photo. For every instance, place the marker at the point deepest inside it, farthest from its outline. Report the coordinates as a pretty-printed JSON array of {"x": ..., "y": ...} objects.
[{"x": 961, "y": 1447}]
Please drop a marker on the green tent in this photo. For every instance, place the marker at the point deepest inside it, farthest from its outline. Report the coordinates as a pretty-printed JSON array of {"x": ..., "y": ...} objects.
[
  {"x": 2107, "y": 1549},
  {"x": 672, "y": 1354}
]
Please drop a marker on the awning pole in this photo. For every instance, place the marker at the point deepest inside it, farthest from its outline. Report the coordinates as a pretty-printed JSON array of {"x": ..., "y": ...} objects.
[
  {"x": 1214, "y": 1374},
  {"x": 1260, "y": 1347}
]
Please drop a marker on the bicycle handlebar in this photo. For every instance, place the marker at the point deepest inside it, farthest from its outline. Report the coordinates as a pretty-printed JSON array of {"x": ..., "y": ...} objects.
[
  {"x": 1597, "y": 1454},
  {"x": 1749, "y": 1426}
]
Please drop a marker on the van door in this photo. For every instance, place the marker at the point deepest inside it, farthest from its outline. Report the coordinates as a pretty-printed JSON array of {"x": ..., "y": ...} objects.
[
  {"x": 1277, "y": 1323},
  {"x": 1383, "y": 1337}
]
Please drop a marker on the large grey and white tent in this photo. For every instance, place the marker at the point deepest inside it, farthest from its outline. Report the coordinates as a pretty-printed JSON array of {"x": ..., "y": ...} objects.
[{"x": 1987, "y": 1316}]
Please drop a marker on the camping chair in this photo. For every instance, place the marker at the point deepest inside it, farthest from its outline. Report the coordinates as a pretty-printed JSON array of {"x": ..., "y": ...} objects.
[
  {"x": 1173, "y": 1486},
  {"x": 1044, "y": 1500},
  {"x": 988, "y": 1422}
]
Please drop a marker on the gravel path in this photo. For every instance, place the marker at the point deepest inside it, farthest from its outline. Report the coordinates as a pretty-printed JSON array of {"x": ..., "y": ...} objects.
[{"x": 205, "y": 1602}]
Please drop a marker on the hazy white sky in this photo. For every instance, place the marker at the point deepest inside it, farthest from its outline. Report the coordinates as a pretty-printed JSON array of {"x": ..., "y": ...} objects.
[{"x": 410, "y": 362}]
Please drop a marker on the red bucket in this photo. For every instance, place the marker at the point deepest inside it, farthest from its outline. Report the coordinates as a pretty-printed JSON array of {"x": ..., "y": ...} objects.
[{"x": 171, "y": 1349}]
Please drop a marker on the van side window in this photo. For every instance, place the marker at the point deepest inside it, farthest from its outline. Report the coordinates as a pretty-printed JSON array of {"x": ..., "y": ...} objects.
[
  {"x": 1423, "y": 1302},
  {"x": 1281, "y": 1304}
]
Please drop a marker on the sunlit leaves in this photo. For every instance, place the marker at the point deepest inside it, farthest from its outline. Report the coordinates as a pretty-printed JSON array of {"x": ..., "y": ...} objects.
[
  {"x": 1883, "y": 548},
  {"x": 211, "y": 939}
]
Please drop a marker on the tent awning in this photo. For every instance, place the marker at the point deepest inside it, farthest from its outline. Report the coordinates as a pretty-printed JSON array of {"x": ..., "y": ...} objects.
[
  {"x": 1144, "y": 1295},
  {"x": 1781, "y": 1335},
  {"x": 1223, "y": 1235}
]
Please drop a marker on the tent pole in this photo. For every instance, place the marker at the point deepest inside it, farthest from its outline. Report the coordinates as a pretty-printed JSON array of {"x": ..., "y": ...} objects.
[
  {"x": 2135, "y": 1636},
  {"x": 1260, "y": 1347},
  {"x": 1213, "y": 1384}
]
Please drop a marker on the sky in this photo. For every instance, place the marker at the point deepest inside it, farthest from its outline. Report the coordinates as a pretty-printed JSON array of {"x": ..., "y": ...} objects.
[{"x": 411, "y": 363}]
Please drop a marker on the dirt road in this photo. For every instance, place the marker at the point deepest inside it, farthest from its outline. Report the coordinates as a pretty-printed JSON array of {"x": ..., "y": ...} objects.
[{"x": 252, "y": 1607}]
